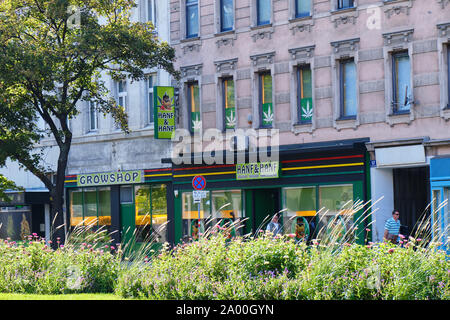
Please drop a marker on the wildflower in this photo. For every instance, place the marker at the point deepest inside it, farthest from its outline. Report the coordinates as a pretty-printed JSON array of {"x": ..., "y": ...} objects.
[
  {"x": 419, "y": 239},
  {"x": 401, "y": 236},
  {"x": 391, "y": 250}
]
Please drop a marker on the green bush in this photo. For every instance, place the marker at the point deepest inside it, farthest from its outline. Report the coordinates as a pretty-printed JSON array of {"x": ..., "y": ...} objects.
[
  {"x": 35, "y": 268},
  {"x": 268, "y": 267}
]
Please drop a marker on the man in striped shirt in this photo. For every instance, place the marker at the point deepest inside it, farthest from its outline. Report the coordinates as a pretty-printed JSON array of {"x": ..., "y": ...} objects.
[{"x": 392, "y": 227}]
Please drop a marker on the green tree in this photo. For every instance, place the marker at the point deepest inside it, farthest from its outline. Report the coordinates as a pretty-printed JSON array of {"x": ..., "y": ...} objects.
[{"x": 52, "y": 56}]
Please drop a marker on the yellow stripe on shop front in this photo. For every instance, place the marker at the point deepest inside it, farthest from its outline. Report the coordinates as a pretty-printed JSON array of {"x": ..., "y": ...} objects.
[
  {"x": 203, "y": 174},
  {"x": 326, "y": 166}
]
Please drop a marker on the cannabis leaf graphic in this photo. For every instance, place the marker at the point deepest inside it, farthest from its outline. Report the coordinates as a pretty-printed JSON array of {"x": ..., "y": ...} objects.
[
  {"x": 231, "y": 120},
  {"x": 197, "y": 124},
  {"x": 307, "y": 111},
  {"x": 268, "y": 116}
]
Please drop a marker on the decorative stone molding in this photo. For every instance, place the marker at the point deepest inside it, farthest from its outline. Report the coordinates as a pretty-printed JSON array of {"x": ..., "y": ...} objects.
[
  {"x": 225, "y": 40},
  {"x": 443, "y": 3},
  {"x": 397, "y": 7},
  {"x": 398, "y": 38},
  {"x": 342, "y": 17},
  {"x": 303, "y": 25},
  {"x": 191, "y": 71},
  {"x": 191, "y": 45},
  {"x": 444, "y": 29},
  {"x": 340, "y": 124},
  {"x": 345, "y": 46},
  {"x": 262, "y": 59},
  {"x": 302, "y": 53},
  {"x": 226, "y": 65},
  {"x": 262, "y": 33}
]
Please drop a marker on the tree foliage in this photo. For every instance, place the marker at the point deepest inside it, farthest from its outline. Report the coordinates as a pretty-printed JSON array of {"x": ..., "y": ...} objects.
[{"x": 55, "y": 54}]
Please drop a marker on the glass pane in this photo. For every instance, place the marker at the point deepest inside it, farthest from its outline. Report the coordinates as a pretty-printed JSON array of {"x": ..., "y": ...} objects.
[
  {"x": 227, "y": 15},
  {"x": 92, "y": 116},
  {"x": 76, "y": 207},
  {"x": 436, "y": 215},
  {"x": 335, "y": 202},
  {"x": 104, "y": 203},
  {"x": 345, "y": 4},
  {"x": 263, "y": 12},
  {"x": 349, "y": 70},
  {"x": 143, "y": 213},
  {"x": 306, "y": 110},
  {"x": 151, "y": 110},
  {"x": 299, "y": 218},
  {"x": 226, "y": 209},
  {"x": 303, "y": 8},
  {"x": 403, "y": 90},
  {"x": 126, "y": 194},
  {"x": 159, "y": 212},
  {"x": 194, "y": 216},
  {"x": 149, "y": 10},
  {"x": 191, "y": 20},
  {"x": 194, "y": 106},
  {"x": 90, "y": 206},
  {"x": 230, "y": 110},
  {"x": 266, "y": 88}
]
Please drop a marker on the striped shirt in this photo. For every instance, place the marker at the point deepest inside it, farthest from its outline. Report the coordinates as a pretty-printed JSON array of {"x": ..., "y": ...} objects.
[{"x": 392, "y": 226}]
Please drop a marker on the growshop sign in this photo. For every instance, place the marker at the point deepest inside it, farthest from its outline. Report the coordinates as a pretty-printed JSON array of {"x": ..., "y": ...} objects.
[
  {"x": 164, "y": 112},
  {"x": 108, "y": 178},
  {"x": 257, "y": 170}
]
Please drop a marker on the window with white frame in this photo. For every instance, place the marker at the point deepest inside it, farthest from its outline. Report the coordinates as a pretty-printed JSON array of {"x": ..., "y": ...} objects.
[
  {"x": 226, "y": 15},
  {"x": 192, "y": 19},
  {"x": 151, "y": 11},
  {"x": 302, "y": 8},
  {"x": 151, "y": 82},
  {"x": 263, "y": 12},
  {"x": 348, "y": 92},
  {"x": 121, "y": 89},
  {"x": 345, "y": 4},
  {"x": 448, "y": 76},
  {"x": 93, "y": 116},
  {"x": 401, "y": 82}
]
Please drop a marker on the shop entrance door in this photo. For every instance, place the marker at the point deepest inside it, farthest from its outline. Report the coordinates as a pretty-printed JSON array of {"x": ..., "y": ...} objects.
[
  {"x": 411, "y": 197},
  {"x": 127, "y": 214},
  {"x": 266, "y": 202}
]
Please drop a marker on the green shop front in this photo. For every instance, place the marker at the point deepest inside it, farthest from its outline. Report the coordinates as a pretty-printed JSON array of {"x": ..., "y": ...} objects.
[
  {"x": 311, "y": 184},
  {"x": 130, "y": 205}
]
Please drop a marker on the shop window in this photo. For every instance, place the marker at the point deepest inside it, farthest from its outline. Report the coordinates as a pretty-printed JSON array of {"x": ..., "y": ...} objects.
[
  {"x": 195, "y": 216},
  {"x": 193, "y": 99},
  {"x": 226, "y": 15},
  {"x": 436, "y": 215},
  {"x": 226, "y": 208},
  {"x": 228, "y": 100},
  {"x": 304, "y": 94},
  {"x": 151, "y": 213},
  {"x": 302, "y": 8},
  {"x": 335, "y": 203},
  {"x": 265, "y": 100},
  {"x": 220, "y": 206},
  {"x": 191, "y": 18},
  {"x": 299, "y": 219},
  {"x": 263, "y": 12},
  {"x": 90, "y": 207},
  {"x": 401, "y": 80},
  {"x": 348, "y": 83}
]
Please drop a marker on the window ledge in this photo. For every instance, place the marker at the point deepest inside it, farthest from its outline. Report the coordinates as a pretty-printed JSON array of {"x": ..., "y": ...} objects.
[
  {"x": 257, "y": 27},
  {"x": 344, "y": 10},
  {"x": 302, "y": 127},
  {"x": 405, "y": 117},
  {"x": 300, "y": 19},
  {"x": 346, "y": 123},
  {"x": 225, "y": 33},
  {"x": 189, "y": 39}
]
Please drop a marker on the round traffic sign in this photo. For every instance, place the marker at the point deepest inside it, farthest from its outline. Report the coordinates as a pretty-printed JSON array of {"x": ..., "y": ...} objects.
[{"x": 199, "y": 182}]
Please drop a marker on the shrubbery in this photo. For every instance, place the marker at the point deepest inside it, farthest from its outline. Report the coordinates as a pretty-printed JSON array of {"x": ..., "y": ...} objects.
[
  {"x": 278, "y": 268},
  {"x": 35, "y": 268},
  {"x": 215, "y": 267}
]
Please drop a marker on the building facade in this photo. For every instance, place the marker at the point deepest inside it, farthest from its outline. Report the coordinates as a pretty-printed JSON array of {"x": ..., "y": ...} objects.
[{"x": 322, "y": 71}]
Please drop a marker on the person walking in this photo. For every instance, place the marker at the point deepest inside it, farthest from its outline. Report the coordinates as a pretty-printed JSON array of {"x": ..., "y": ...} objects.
[
  {"x": 392, "y": 227},
  {"x": 274, "y": 226}
]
